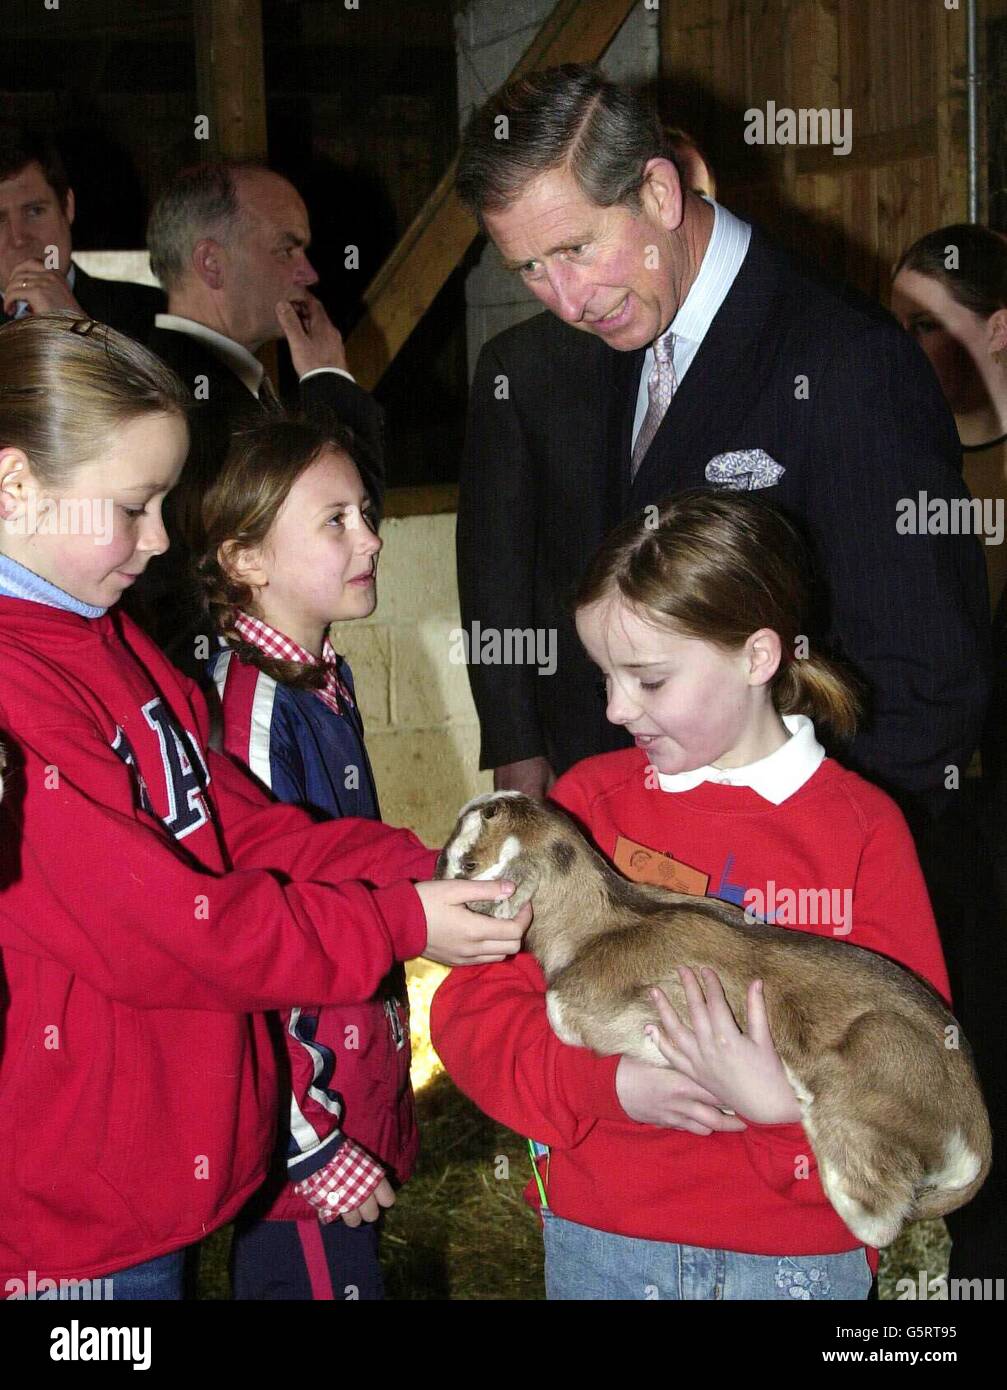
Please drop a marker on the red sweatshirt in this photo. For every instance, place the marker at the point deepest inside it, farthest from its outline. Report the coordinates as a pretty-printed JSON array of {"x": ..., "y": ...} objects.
[
  {"x": 154, "y": 904},
  {"x": 722, "y": 1191}
]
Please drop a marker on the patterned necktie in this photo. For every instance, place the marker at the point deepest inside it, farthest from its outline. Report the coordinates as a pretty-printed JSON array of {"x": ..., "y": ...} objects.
[
  {"x": 660, "y": 388},
  {"x": 268, "y": 398}
]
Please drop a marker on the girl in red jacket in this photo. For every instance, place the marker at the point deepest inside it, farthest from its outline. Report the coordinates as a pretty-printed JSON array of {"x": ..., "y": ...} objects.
[
  {"x": 291, "y": 547},
  {"x": 694, "y": 616},
  {"x": 154, "y": 903}
]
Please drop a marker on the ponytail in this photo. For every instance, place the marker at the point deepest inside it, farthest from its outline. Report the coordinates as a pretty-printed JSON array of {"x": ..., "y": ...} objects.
[
  {"x": 822, "y": 690},
  {"x": 225, "y": 597}
]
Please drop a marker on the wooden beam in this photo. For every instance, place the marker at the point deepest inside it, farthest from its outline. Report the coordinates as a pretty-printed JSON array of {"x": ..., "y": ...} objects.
[
  {"x": 950, "y": 79},
  {"x": 917, "y": 141},
  {"x": 230, "y": 80},
  {"x": 404, "y": 288},
  {"x": 231, "y": 91},
  {"x": 429, "y": 499}
]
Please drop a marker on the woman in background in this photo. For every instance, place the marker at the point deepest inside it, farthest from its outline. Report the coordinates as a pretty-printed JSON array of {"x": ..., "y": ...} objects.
[
  {"x": 950, "y": 292},
  {"x": 957, "y": 313}
]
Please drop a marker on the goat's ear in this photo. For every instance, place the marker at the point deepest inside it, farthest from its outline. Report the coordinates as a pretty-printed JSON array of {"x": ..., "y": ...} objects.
[{"x": 527, "y": 883}]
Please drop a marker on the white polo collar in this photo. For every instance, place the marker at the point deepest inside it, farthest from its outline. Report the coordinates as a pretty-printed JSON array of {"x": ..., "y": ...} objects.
[
  {"x": 775, "y": 777},
  {"x": 248, "y": 369}
]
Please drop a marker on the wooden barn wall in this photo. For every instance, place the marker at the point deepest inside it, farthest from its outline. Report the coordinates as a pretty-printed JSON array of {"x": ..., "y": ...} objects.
[{"x": 898, "y": 65}]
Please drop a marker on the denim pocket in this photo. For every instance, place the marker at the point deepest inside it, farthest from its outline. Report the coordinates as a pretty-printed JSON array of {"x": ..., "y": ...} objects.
[{"x": 813, "y": 1278}]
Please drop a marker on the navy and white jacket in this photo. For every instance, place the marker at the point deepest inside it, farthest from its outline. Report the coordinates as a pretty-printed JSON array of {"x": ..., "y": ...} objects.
[{"x": 348, "y": 1067}]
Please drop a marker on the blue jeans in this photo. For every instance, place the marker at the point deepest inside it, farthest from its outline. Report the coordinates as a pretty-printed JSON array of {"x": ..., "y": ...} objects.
[
  {"x": 154, "y": 1279},
  {"x": 581, "y": 1263},
  {"x": 160, "y": 1278}
]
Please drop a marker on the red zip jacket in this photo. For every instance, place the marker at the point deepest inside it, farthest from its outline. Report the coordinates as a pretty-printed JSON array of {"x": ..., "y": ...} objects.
[
  {"x": 740, "y": 1191},
  {"x": 154, "y": 901}
]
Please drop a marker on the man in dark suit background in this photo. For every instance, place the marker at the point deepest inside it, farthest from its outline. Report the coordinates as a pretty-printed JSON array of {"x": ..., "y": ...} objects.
[
  {"x": 229, "y": 242},
  {"x": 37, "y": 274},
  {"x": 682, "y": 348}
]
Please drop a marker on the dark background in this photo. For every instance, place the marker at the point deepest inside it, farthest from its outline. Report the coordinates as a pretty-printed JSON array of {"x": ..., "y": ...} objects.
[{"x": 361, "y": 115}]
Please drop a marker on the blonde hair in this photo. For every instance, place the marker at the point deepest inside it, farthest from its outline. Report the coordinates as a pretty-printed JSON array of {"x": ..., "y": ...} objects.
[
  {"x": 720, "y": 566},
  {"x": 68, "y": 383}
]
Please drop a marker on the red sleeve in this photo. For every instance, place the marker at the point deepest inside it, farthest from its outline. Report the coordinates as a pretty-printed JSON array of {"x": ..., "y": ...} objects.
[
  {"x": 261, "y": 833},
  {"x": 264, "y": 834},
  {"x": 104, "y": 891},
  {"x": 891, "y": 913},
  {"x": 891, "y": 906},
  {"x": 489, "y": 1027}
]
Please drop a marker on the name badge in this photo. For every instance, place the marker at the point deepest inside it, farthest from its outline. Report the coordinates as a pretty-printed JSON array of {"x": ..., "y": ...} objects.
[{"x": 645, "y": 865}]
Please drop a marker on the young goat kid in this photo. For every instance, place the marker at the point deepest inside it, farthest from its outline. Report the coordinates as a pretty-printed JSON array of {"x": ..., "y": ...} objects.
[{"x": 883, "y": 1076}]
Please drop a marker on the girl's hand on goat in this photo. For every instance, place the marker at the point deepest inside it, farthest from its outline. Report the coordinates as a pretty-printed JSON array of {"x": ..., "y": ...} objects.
[
  {"x": 743, "y": 1069},
  {"x": 458, "y": 936},
  {"x": 653, "y": 1095}
]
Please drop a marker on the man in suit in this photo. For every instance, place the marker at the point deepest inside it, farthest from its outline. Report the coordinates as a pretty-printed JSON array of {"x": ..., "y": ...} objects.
[
  {"x": 229, "y": 243},
  {"x": 681, "y": 349},
  {"x": 37, "y": 274}
]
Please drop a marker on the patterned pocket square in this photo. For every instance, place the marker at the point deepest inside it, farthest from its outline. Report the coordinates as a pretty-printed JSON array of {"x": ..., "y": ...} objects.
[{"x": 743, "y": 470}]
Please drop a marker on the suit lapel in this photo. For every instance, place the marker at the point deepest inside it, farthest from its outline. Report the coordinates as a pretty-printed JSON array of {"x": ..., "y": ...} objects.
[
  {"x": 93, "y": 296},
  {"x": 720, "y": 382},
  {"x": 625, "y": 387}
]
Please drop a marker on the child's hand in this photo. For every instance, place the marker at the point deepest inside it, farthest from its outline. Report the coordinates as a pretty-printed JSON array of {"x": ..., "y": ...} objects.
[
  {"x": 743, "y": 1069},
  {"x": 457, "y": 936},
  {"x": 370, "y": 1209},
  {"x": 654, "y": 1096},
  {"x": 332, "y": 1191}
]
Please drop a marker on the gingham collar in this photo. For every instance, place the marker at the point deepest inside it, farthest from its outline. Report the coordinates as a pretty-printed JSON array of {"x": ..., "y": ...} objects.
[{"x": 282, "y": 648}]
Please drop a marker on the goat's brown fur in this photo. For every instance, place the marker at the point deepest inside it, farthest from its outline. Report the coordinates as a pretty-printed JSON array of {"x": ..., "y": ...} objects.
[{"x": 894, "y": 1113}]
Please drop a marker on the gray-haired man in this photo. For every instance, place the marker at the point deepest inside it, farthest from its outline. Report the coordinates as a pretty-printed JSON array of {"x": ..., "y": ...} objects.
[{"x": 229, "y": 242}]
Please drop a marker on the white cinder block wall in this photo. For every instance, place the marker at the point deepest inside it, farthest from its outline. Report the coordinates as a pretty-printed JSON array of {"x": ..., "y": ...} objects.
[{"x": 422, "y": 732}]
